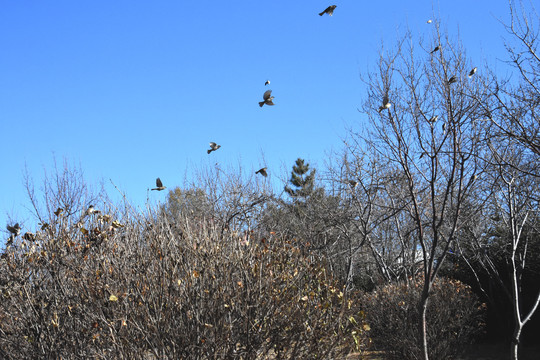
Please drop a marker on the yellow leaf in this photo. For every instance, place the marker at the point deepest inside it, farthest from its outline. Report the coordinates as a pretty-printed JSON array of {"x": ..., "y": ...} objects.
[
  {"x": 366, "y": 327},
  {"x": 113, "y": 298}
]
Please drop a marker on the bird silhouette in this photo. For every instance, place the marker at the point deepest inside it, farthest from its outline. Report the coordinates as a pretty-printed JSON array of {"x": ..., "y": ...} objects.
[
  {"x": 437, "y": 48},
  {"x": 452, "y": 80},
  {"x": 267, "y": 82},
  {"x": 329, "y": 10},
  {"x": 262, "y": 172},
  {"x": 214, "y": 146},
  {"x": 472, "y": 72},
  {"x": 159, "y": 185},
  {"x": 14, "y": 230},
  {"x": 385, "y": 104},
  {"x": 267, "y": 98}
]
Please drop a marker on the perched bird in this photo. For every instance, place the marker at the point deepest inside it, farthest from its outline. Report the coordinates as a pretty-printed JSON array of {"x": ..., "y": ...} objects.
[
  {"x": 214, "y": 146},
  {"x": 353, "y": 183},
  {"x": 262, "y": 172},
  {"x": 91, "y": 210},
  {"x": 329, "y": 10},
  {"x": 429, "y": 21},
  {"x": 474, "y": 177},
  {"x": 267, "y": 99},
  {"x": 59, "y": 211},
  {"x": 385, "y": 104},
  {"x": 29, "y": 236},
  {"x": 267, "y": 82},
  {"x": 452, "y": 80},
  {"x": 14, "y": 230},
  {"x": 434, "y": 118},
  {"x": 472, "y": 72},
  {"x": 444, "y": 127},
  {"x": 159, "y": 185},
  {"x": 437, "y": 48}
]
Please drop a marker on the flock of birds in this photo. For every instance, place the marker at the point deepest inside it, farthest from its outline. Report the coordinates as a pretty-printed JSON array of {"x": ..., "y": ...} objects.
[{"x": 15, "y": 230}]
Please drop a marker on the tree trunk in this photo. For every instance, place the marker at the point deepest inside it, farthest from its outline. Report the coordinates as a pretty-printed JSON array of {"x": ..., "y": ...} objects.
[
  {"x": 515, "y": 341},
  {"x": 423, "y": 324}
]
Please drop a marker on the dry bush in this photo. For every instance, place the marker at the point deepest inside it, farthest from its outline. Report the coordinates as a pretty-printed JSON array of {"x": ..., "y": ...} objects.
[
  {"x": 454, "y": 318},
  {"x": 114, "y": 285}
]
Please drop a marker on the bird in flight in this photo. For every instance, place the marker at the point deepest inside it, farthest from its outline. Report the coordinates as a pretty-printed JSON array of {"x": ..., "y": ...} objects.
[
  {"x": 329, "y": 10},
  {"x": 472, "y": 72},
  {"x": 429, "y": 21},
  {"x": 267, "y": 82},
  {"x": 262, "y": 172},
  {"x": 214, "y": 146},
  {"x": 267, "y": 99},
  {"x": 437, "y": 48},
  {"x": 385, "y": 104},
  {"x": 159, "y": 185},
  {"x": 15, "y": 229}
]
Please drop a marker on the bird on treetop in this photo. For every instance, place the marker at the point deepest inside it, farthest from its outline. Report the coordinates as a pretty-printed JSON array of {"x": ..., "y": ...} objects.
[
  {"x": 262, "y": 172},
  {"x": 437, "y": 48},
  {"x": 159, "y": 185},
  {"x": 329, "y": 10},
  {"x": 472, "y": 72},
  {"x": 267, "y": 98},
  {"x": 452, "y": 80},
  {"x": 213, "y": 147},
  {"x": 385, "y": 104}
]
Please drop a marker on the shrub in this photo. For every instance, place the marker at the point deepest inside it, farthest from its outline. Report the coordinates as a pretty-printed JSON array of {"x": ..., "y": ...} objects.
[{"x": 454, "y": 318}]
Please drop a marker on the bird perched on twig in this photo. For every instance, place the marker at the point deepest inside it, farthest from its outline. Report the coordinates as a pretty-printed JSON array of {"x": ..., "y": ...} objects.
[
  {"x": 353, "y": 183},
  {"x": 267, "y": 98},
  {"x": 385, "y": 104},
  {"x": 213, "y": 147},
  {"x": 472, "y": 72},
  {"x": 14, "y": 230},
  {"x": 452, "y": 80},
  {"x": 267, "y": 82},
  {"x": 29, "y": 236},
  {"x": 262, "y": 172},
  {"x": 91, "y": 210},
  {"x": 159, "y": 185},
  {"x": 437, "y": 48},
  {"x": 434, "y": 119},
  {"x": 329, "y": 10}
]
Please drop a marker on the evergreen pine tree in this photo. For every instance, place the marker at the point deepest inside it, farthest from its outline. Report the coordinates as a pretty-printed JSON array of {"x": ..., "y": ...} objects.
[{"x": 303, "y": 183}]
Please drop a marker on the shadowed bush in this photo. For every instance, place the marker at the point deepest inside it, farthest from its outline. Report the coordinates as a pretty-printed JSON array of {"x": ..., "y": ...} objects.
[{"x": 454, "y": 318}]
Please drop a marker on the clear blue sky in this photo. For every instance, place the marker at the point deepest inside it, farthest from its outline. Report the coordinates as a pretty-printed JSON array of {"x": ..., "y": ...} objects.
[{"x": 133, "y": 90}]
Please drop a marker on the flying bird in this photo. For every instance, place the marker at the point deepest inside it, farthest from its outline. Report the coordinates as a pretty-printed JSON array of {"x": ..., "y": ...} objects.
[
  {"x": 385, "y": 104},
  {"x": 267, "y": 82},
  {"x": 267, "y": 99},
  {"x": 214, "y": 146},
  {"x": 452, "y": 80},
  {"x": 472, "y": 72},
  {"x": 429, "y": 21},
  {"x": 437, "y": 48},
  {"x": 15, "y": 229},
  {"x": 159, "y": 185},
  {"x": 329, "y": 10},
  {"x": 262, "y": 172}
]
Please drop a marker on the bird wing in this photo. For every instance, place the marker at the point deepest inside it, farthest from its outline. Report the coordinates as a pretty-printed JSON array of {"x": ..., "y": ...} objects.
[
  {"x": 213, "y": 145},
  {"x": 158, "y": 182},
  {"x": 267, "y": 94}
]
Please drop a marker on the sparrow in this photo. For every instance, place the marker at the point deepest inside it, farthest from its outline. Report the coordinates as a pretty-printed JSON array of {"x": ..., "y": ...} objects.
[
  {"x": 329, "y": 10},
  {"x": 437, "y": 48},
  {"x": 385, "y": 104},
  {"x": 214, "y": 146},
  {"x": 452, "y": 80},
  {"x": 159, "y": 185},
  {"x": 29, "y": 236},
  {"x": 472, "y": 72},
  {"x": 267, "y": 99},
  {"x": 15, "y": 229},
  {"x": 91, "y": 210},
  {"x": 267, "y": 82},
  {"x": 262, "y": 172},
  {"x": 59, "y": 211}
]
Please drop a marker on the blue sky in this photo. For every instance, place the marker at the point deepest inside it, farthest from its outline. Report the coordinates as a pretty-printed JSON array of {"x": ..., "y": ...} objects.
[{"x": 132, "y": 90}]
